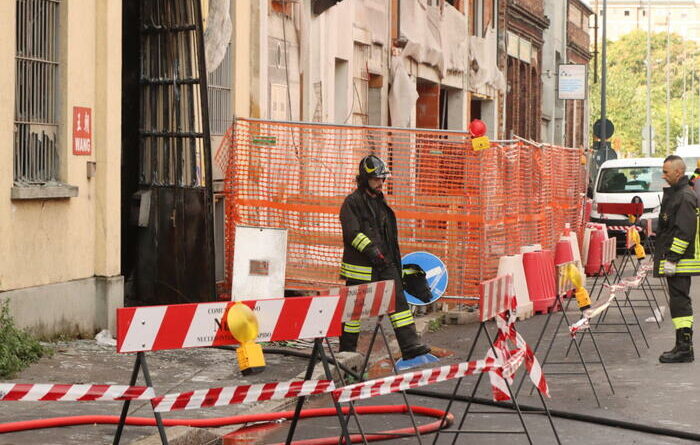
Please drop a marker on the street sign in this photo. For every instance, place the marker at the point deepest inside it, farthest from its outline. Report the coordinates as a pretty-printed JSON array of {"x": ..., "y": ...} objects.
[
  {"x": 572, "y": 81},
  {"x": 609, "y": 129},
  {"x": 435, "y": 271}
]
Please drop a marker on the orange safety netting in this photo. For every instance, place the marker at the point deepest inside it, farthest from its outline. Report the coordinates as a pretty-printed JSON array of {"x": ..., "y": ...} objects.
[{"x": 468, "y": 208}]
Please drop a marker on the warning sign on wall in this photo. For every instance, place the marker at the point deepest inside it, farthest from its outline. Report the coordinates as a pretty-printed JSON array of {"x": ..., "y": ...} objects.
[{"x": 82, "y": 131}]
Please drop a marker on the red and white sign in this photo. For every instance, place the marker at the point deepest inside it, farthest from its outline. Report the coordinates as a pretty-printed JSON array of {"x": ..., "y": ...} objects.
[
  {"x": 197, "y": 325},
  {"x": 29, "y": 392},
  {"x": 205, "y": 398},
  {"x": 82, "y": 131}
]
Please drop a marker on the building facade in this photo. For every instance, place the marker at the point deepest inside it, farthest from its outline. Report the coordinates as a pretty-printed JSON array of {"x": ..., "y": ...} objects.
[
  {"x": 624, "y": 16},
  {"x": 431, "y": 64},
  {"x": 60, "y": 181}
]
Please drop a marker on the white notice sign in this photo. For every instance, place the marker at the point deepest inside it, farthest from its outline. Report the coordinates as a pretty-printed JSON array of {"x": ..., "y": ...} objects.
[{"x": 572, "y": 81}]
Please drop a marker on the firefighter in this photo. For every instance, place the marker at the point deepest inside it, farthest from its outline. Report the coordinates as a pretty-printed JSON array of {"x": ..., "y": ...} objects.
[
  {"x": 677, "y": 258},
  {"x": 371, "y": 253}
]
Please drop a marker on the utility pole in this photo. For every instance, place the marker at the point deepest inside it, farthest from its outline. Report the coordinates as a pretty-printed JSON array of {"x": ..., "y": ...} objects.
[
  {"x": 648, "y": 133},
  {"x": 603, "y": 79},
  {"x": 668, "y": 84}
]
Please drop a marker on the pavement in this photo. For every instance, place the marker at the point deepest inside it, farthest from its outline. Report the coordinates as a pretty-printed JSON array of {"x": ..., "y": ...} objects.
[{"x": 645, "y": 391}]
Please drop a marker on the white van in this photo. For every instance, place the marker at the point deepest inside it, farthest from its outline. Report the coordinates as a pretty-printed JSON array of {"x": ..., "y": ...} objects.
[
  {"x": 621, "y": 180},
  {"x": 691, "y": 156}
]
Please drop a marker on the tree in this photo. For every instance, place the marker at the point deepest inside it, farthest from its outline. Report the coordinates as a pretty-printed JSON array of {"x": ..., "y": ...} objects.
[{"x": 626, "y": 89}]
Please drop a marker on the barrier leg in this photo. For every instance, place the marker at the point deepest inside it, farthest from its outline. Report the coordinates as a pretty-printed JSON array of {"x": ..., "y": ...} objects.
[
  {"x": 458, "y": 383},
  {"x": 140, "y": 362},
  {"x": 636, "y": 319},
  {"x": 403, "y": 393},
  {"x": 537, "y": 344},
  {"x": 351, "y": 405}
]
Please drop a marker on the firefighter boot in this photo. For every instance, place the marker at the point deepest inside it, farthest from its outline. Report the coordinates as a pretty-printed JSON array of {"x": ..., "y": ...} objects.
[
  {"x": 348, "y": 339},
  {"x": 408, "y": 342},
  {"x": 683, "y": 351}
]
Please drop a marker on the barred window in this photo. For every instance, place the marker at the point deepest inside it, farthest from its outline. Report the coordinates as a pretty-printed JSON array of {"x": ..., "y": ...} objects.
[
  {"x": 219, "y": 92},
  {"x": 36, "y": 158}
]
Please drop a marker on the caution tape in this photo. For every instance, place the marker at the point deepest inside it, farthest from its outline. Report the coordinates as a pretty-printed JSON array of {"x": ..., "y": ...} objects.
[
  {"x": 596, "y": 309},
  {"x": 231, "y": 395},
  {"x": 50, "y": 392}
]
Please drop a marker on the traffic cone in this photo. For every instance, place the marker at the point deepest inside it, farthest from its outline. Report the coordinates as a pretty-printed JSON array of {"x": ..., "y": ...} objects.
[
  {"x": 513, "y": 264},
  {"x": 563, "y": 252},
  {"x": 539, "y": 274},
  {"x": 595, "y": 252}
]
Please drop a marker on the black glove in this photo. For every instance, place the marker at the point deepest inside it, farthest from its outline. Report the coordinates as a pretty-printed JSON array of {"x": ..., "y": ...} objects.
[
  {"x": 376, "y": 257},
  {"x": 415, "y": 282}
]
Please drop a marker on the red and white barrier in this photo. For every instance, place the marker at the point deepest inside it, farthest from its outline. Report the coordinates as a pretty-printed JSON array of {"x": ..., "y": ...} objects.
[
  {"x": 402, "y": 382},
  {"x": 232, "y": 395},
  {"x": 513, "y": 265},
  {"x": 38, "y": 392},
  {"x": 366, "y": 300},
  {"x": 624, "y": 228},
  {"x": 495, "y": 296},
  {"x": 609, "y": 252},
  {"x": 153, "y": 328}
]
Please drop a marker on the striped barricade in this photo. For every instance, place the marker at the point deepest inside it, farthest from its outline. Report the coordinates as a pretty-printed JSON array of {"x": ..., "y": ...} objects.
[{"x": 196, "y": 325}]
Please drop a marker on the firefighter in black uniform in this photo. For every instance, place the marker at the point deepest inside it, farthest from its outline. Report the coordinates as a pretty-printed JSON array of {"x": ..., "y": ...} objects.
[
  {"x": 371, "y": 253},
  {"x": 677, "y": 256}
]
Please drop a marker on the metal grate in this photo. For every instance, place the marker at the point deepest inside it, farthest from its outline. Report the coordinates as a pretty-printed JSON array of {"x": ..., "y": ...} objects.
[
  {"x": 219, "y": 86},
  {"x": 36, "y": 92}
]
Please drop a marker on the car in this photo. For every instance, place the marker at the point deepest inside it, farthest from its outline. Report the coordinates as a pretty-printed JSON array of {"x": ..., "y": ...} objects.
[{"x": 625, "y": 181}]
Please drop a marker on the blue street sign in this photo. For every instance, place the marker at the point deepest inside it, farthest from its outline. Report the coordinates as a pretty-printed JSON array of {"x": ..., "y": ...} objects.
[{"x": 435, "y": 271}]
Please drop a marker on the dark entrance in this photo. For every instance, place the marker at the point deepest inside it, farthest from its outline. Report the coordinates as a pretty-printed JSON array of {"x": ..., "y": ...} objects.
[{"x": 167, "y": 221}]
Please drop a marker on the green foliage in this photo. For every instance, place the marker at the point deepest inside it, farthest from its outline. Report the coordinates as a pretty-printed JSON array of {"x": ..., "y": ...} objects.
[
  {"x": 626, "y": 89},
  {"x": 435, "y": 324},
  {"x": 17, "y": 348}
]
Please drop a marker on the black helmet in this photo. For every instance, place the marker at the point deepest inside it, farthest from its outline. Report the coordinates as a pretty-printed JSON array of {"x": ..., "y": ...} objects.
[{"x": 373, "y": 167}]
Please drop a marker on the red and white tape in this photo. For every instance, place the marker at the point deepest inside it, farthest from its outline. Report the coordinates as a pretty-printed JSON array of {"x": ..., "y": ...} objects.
[
  {"x": 506, "y": 331},
  {"x": 600, "y": 306},
  {"x": 153, "y": 328},
  {"x": 402, "y": 382},
  {"x": 496, "y": 296},
  {"x": 49, "y": 392},
  {"x": 624, "y": 228},
  {"x": 231, "y": 395}
]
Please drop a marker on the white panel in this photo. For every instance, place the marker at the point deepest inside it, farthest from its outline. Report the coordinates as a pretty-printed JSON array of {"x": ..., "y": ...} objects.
[{"x": 259, "y": 263}]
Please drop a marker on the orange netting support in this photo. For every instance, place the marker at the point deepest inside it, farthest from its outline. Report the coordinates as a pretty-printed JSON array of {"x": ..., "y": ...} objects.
[{"x": 468, "y": 208}]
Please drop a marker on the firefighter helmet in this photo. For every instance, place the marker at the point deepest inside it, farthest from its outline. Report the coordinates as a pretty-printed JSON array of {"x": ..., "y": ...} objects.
[{"x": 373, "y": 167}]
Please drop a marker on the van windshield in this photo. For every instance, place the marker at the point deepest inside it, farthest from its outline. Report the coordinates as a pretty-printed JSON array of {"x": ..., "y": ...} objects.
[{"x": 631, "y": 180}]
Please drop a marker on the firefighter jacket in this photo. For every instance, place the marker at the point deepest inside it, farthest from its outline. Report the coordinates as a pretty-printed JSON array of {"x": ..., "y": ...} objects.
[
  {"x": 368, "y": 222},
  {"x": 677, "y": 239}
]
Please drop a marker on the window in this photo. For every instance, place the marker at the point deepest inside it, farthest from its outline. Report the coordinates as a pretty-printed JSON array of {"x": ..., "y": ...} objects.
[
  {"x": 219, "y": 95},
  {"x": 36, "y": 159},
  {"x": 627, "y": 13},
  {"x": 630, "y": 180}
]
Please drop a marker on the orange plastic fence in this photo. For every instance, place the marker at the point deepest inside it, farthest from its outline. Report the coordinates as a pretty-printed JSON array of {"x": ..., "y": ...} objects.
[{"x": 468, "y": 208}]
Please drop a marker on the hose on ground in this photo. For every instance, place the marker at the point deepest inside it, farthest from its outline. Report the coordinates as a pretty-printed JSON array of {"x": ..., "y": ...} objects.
[{"x": 251, "y": 418}]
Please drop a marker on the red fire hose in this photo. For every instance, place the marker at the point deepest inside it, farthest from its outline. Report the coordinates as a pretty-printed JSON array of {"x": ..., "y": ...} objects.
[{"x": 251, "y": 418}]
